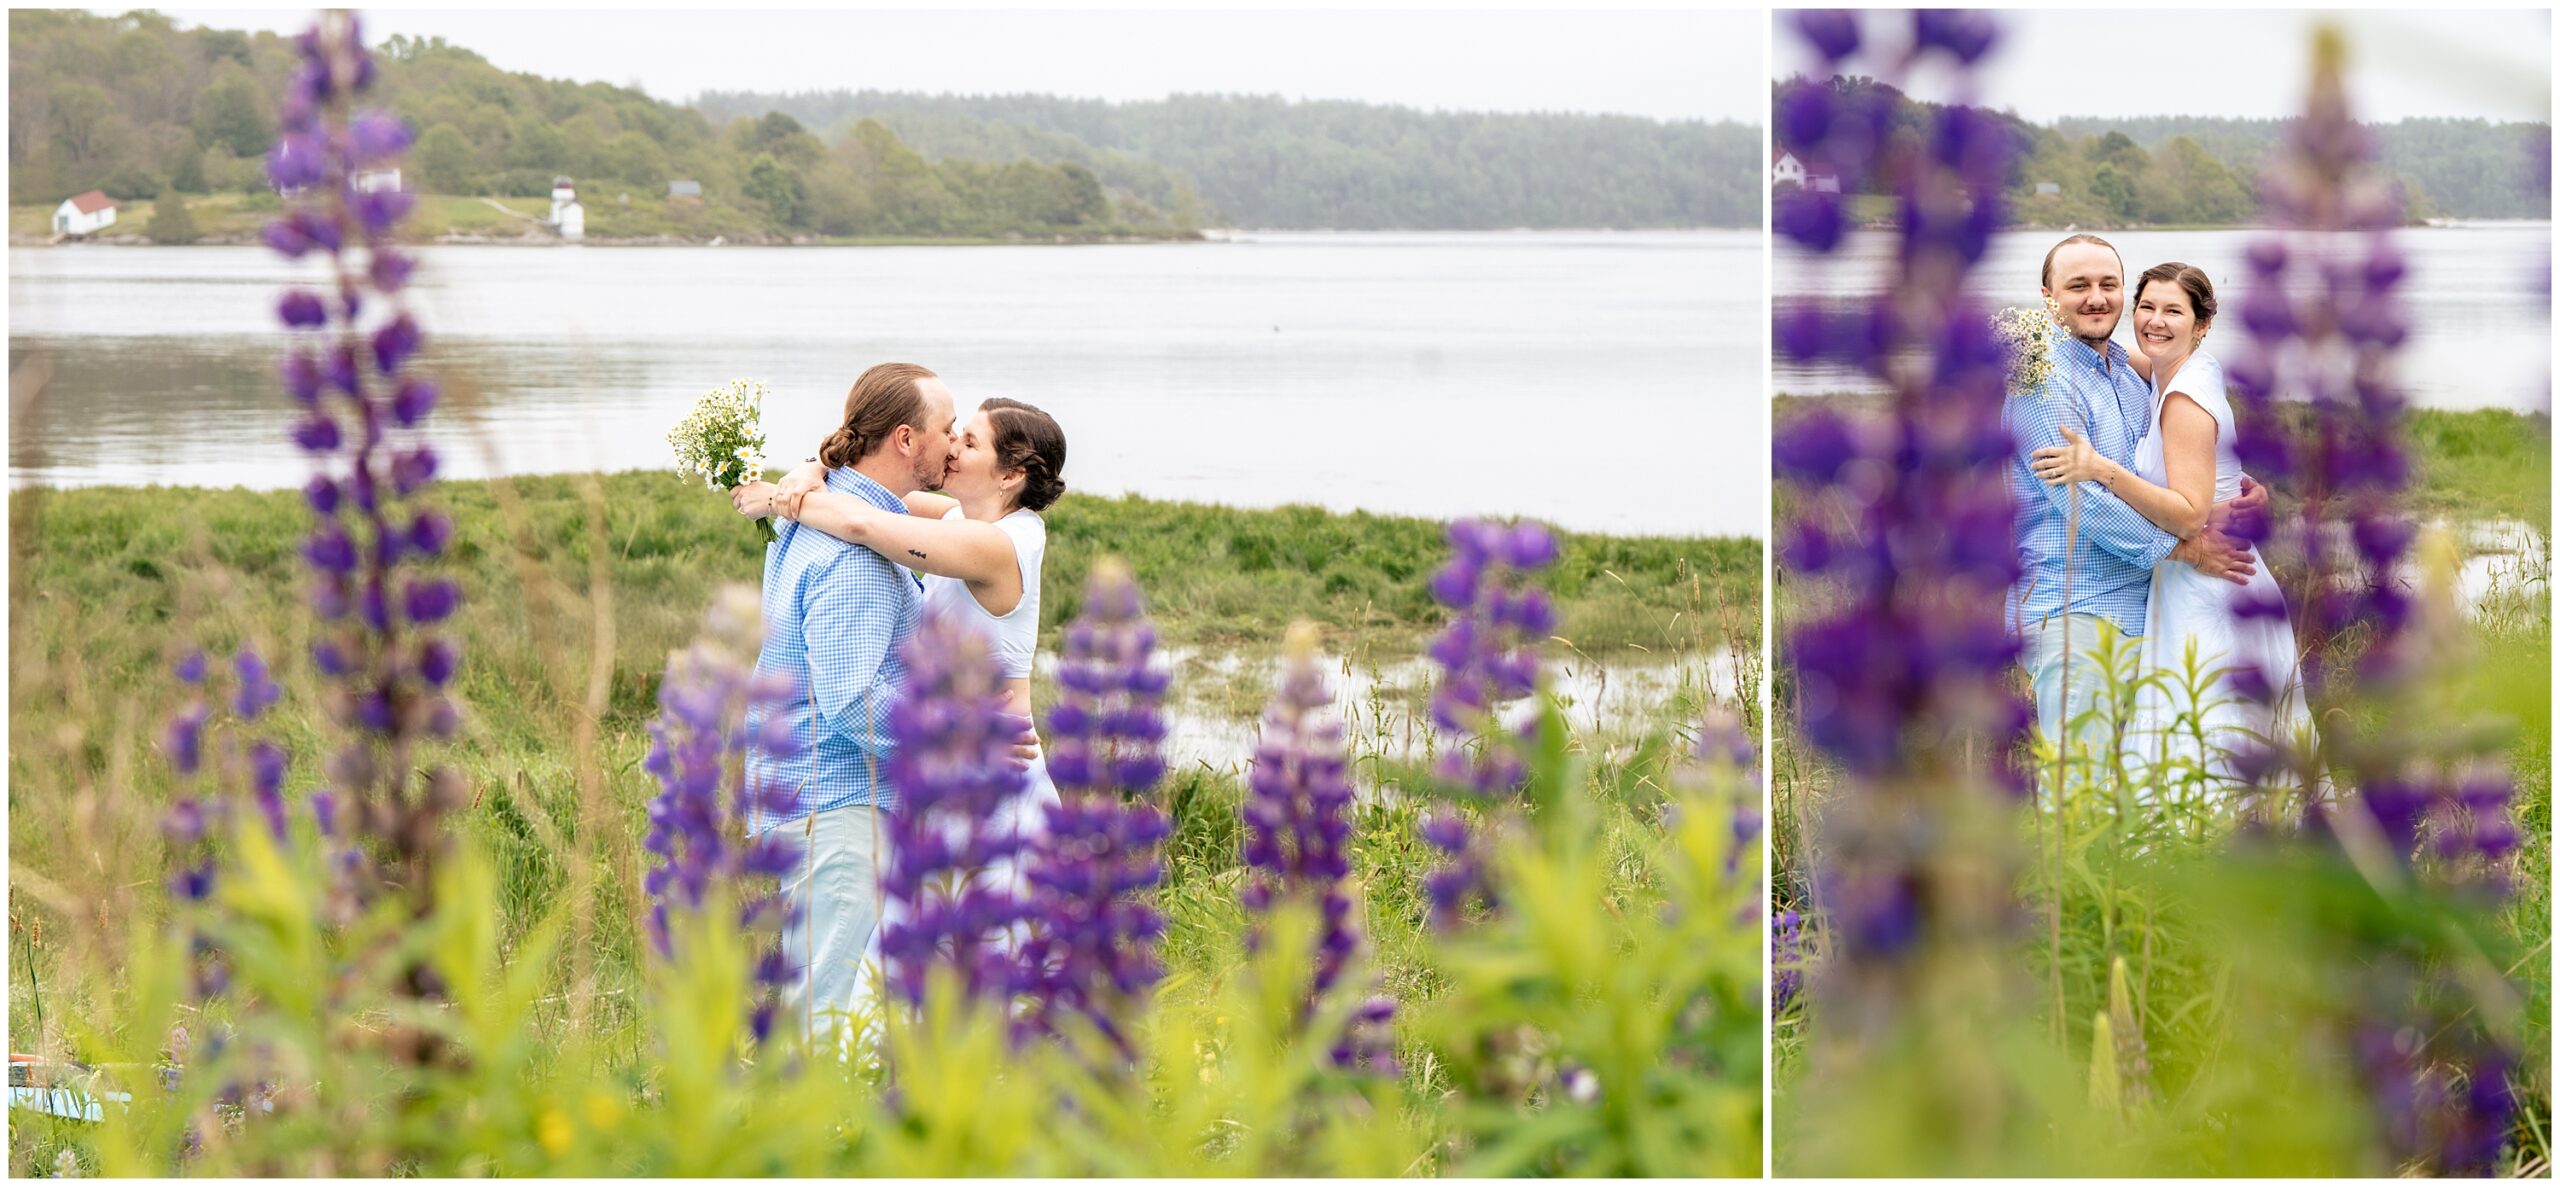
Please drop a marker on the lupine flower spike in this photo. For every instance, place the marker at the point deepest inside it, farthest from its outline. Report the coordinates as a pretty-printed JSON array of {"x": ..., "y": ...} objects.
[
  {"x": 1094, "y": 933},
  {"x": 1297, "y": 838},
  {"x": 378, "y": 640},
  {"x": 952, "y": 832},
  {"x": 1488, "y": 656},
  {"x": 1907, "y": 673},
  {"x": 700, "y": 823},
  {"x": 2322, "y": 332}
]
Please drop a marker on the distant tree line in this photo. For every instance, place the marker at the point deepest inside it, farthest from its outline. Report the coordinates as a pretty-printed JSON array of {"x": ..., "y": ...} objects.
[
  {"x": 2203, "y": 170},
  {"x": 1264, "y": 161},
  {"x": 2468, "y": 168},
  {"x": 137, "y": 107}
]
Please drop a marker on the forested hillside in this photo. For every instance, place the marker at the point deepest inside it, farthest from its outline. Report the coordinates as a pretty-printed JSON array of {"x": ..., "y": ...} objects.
[
  {"x": 140, "y": 108},
  {"x": 1264, "y": 161},
  {"x": 137, "y": 107},
  {"x": 2195, "y": 170}
]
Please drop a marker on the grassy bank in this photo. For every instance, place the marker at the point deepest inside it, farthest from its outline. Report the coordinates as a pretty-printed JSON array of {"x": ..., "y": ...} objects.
[{"x": 2480, "y": 464}]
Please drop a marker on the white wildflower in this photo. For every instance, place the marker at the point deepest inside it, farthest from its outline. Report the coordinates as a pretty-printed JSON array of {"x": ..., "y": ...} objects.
[
  {"x": 2027, "y": 336},
  {"x": 722, "y": 440}
]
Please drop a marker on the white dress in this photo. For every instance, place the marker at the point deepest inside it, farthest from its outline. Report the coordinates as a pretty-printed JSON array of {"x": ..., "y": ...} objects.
[
  {"x": 1014, "y": 637},
  {"x": 2191, "y": 615}
]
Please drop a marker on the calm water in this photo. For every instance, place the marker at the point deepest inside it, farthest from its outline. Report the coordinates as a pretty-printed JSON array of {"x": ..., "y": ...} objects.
[
  {"x": 1606, "y": 382},
  {"x": 2479, "y": 299}
]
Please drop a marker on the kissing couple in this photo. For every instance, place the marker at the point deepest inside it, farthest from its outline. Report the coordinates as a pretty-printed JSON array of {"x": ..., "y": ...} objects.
[
  {"x": 2128, "y": 485},
  {"x": 905, "y": 509}
]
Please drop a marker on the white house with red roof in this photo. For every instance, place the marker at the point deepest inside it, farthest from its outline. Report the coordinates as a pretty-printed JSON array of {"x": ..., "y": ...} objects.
[
  {"x": 84, "y": 214},
  {"x": 1786, "y": 167}
]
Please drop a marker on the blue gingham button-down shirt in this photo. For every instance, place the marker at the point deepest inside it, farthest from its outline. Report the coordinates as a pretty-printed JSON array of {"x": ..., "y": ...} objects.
[
  {"x": 835, "y": 615},
  {"x": 2107, "y": 571}
]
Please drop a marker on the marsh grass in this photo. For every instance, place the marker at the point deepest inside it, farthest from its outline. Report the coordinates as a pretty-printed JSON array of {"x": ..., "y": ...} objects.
[{"x": 577, "y": 587}]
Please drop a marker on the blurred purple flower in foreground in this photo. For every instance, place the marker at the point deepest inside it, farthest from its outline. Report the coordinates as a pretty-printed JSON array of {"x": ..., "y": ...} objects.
[
  {"x": 1905, "y": 674},
  {"x": 1093, "y": 938},
  {"x": 1488, "y": 657},
  {"x": 699, "y": 825},
  {"x": 2324, "y": 323},
  {"x": 951, "y": 832},
  {"x": 351, "y": 344}
]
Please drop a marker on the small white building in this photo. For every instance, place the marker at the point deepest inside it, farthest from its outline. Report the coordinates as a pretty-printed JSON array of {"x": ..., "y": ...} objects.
[
  {"x": 84, "y": 214},
  {"x": 378, "y": 181},
  {"x": 1785, "y": 169},
  {"x": 689, "y": 190},
  {"x": 2048, "y": 189},
  {"x": 567, "y": 217}
]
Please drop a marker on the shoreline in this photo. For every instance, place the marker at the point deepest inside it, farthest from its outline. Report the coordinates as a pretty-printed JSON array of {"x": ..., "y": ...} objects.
[
  {"x": 44, "y": 490},
  {"x": 1216, "y": 235},
  {"x": 477, "y": 240}
]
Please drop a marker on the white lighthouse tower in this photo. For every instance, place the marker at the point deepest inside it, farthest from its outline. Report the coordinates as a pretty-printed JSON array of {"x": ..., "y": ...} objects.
[{"x": 567, "y": 217}]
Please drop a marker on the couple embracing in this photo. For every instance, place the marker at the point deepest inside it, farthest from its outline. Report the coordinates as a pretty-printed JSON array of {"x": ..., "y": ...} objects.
[
  {"x": 905, "y": 510},
  {"x": 2148, "y": 441}
]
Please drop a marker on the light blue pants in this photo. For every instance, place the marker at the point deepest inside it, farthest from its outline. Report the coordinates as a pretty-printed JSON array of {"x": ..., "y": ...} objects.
[
  {"x": 836, "y": 887},
  {"x": 2065, "y": 694}
]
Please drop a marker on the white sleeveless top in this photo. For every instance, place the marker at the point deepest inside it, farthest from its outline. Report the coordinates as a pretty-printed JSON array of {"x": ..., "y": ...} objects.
[
  {"x": 1013, "y": 637},
  {"x": 2201, "y": 379}
]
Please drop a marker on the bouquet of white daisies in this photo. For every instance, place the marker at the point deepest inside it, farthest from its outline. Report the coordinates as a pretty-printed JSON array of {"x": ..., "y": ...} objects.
[
  {"x": 721, "y": 441},
  {"x": 2027, "y": 336}
]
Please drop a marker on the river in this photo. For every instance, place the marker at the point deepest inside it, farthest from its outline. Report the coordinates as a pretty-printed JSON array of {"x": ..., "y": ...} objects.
[
  {"x": 1600, "y": 381},
  {"x": 2478, "y": 297}
]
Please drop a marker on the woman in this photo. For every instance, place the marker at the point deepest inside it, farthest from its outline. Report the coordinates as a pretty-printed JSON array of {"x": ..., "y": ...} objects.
[
  {"x": 978, "y": 544},
  {"x": 2206, "y": 653}
]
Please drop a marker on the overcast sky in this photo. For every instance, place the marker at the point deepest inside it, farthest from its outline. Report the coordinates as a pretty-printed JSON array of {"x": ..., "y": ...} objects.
[
  {"x": 2175, "y": 61},
  {"x": 1667, "y": 65}
]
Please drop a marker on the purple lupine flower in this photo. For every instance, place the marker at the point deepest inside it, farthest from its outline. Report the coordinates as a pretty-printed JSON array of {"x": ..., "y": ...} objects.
[
  {"x": 257, "y": 690},
  {"x": 1297, "y": 840},
  {"x": 700, "y": 823},
  {"x": 184, "y": 739},
  {"x": 1907, "y": 669},
  {"x": 378, "y": 136},
  {"x": 1092, "y": 950},
  {"x": 2323, "y": 319},
  {"x": 1786, "y": 959},
  {"x": 951, "y": 835},
  {"x": 302, "y": 309},
  {"x": 389, "y": 676},
  {"x": 1488, "y": 656}
]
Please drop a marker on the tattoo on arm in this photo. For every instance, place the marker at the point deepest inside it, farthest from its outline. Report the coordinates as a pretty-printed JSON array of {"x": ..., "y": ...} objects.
[{"x": 913, "y": 553}]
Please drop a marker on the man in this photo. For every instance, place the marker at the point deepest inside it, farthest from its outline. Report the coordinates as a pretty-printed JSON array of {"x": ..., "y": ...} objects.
[
  {"x": 835, "y": 617},
  {"x": 2087, "y": 580}
]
